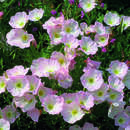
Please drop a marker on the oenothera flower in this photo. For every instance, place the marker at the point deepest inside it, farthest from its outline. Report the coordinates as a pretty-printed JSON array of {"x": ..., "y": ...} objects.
[
  {"x": 18, "y": 85},
  {"x": 126, "y": 80},
  {"x": 75, "y": 127},
  {"x": 115, "y": 96},
  {"x": 72, "y": 112},
  {"x": 16, "y": 71},
  {"x": 70, "y": 41},
  {"x": 66, "y": 82},
  {"x": 101, "y": 40},
  {"x": 85, "y": 100},
  {"x": 10, "y": 113},
  {"x": 4, "y": 124},
  {"x": 70, "y": 27},
  {"x": 115, "y": 83},
  {"x": 34, "y": 83},
  {"x": 26, "y": 102},
  {"x": 87, "y": 5},
  {"x": 115, "y": 110},
  {"x": 122, "y": 120},
  {"x": 92, "y": 79},
  {"x": 18, "y": 20},
  {"x": 127, "y": 110},
  {"x": 112, "y": 19},
  {"x": 126, "y": 22},
  {"x": 52, "y": 22},
  {"x": 89, "y": 126},
  {"x": 53, "y": 104},
  {"x": 99, "y": 28},
  {"x": 19, "y": 38},
  {"x": 2, "y": 84},
  {"x": 101, "y": 94},
  {"x": 36, "y": 14},
  {"x": 118, "y": 69},
  {"x": 88, "y": 46},
  {"x": 69, "y": 97},
  {"x": 45, "y": 67},
  {"x": 63, "y": 61},
  {"x": 44, "y": 91},
  {"x": 55, "y": 34},
  {"x": 34, "y": 114},
  {"x": 91, "y": 64}
]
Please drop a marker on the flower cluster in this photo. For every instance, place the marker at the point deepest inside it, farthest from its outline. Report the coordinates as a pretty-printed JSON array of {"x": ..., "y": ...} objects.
[{"x": 72, "y": 106}]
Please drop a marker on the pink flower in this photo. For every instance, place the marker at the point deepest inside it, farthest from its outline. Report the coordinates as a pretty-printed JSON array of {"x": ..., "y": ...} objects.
[
  {"x": 10, "y": 113},
  {"x": 19, "y": 38},
  {"x": 26, "y": 102},
  {"x": 88, "y": 46},
  {"x": 72, "y": 113},
  {"x": 1, "y": 14},
  {"x": 92, "y": 79},
  {"x": 89, "y": 126},
  {"x": 17, "y": 71},
  {"x": 18, "y": 86},
  {"x": 53, "y": 104},
  {"x": 4, "y": 124},
  {"x": 34, "y": 114},
  {"x": 18, "y": 20},
  {"x": 36, "y": 14}
]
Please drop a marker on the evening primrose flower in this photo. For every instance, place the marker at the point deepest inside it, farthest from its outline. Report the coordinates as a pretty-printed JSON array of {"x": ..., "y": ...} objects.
[
  {"x": 118, "y": 69},
  {"x": 63, "y": 61},
  {"x": 18, "y": 20},
  {"x": 100, "y": 95},
  {"x": 17, "y": 86},
  {"x": 88, "y": 46},
  {"x": 89, "y": 126},
  {"x": 66, "y": 82},
  {"x": 53, "y": 22},
  {"x": 87, "y": 5},
  {"x": 45, "y": 67},
  {"x": 112, "y": 19},
  {"x": 10, "y": 113},
  {"x": 114, "y": 96},
  {"x": 70, "y": 41},
  {"x": 70, "y": 27},
  {"x": 2, "y": 84},
  {"x": 126, "y": 22},
  {"x": 75, "y": 127},
  {"x": 36, "y": 14},
  {"x": 122, "y": 120},
  {"x": 91, "y": 64},
  {"x": 115, "y": 110},
  {"x": 26, "y": 102},
  {"x": 115, "y": 83},
  {"x": 34, "y": 83},
  {"x": 92, "y": 79},
  {"x": 44, "y": 91},
  {"x": 85, "y": 100},
  {"x": 126, "y": 80},
  {"x": 72, "y": 113},
  {"x": 55, "y": 35},
  {"x": 53, "y": 104},
  {"x": 69, "y": 97},
  {"x": 17, "y": 71},
  {"x": 4, "y": 124},
  {"x": 34, "y": 114},
  {"x": 101, "y": 40},
  {"x": 19, "y": 38},
  {"x": 99, "y": 28}
]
